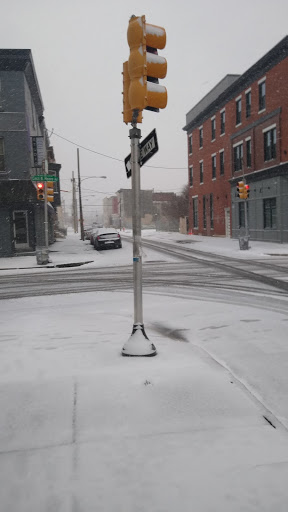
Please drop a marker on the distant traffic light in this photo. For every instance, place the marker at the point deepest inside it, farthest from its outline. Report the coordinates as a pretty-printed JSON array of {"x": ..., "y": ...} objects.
[
  {"x": 241, "y": 191},
  {"x": 145, "y": 67},
  {"x": 40, "y": 191},
  {"x": 50, "y": 191},
  {"x": 247, "y": 191}
]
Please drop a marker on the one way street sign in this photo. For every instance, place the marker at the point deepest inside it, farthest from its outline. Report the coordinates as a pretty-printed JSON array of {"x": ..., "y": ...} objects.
[{"x": 148, "y": 147}]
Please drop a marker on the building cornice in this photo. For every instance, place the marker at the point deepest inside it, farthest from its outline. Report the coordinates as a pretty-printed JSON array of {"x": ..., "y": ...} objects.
[{"x": 255, "y": 72}]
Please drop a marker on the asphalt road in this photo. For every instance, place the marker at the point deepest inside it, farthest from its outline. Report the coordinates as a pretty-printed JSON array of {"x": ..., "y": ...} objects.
[{"x": 194, "y": 273}]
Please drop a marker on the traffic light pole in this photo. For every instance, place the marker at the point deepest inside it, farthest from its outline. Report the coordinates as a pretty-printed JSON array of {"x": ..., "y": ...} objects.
[
  {"x": 46, "y": 209},
  {"x": 138, "y": 344}
]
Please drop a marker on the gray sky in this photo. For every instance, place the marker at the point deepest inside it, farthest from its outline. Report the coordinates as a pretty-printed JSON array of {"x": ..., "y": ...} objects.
[{"x": 78, "y": 49}]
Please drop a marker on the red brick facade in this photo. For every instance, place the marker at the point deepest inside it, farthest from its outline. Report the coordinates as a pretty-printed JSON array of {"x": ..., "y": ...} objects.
[{"x": 212, "y": 219}]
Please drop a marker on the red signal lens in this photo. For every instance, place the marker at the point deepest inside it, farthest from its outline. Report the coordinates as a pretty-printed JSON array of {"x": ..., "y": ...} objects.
[
  {"x": 40, "y": 186},
  {"x": 247, "y": 187}
]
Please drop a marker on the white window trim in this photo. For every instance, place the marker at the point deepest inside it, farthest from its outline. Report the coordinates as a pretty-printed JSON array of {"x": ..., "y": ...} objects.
[
  {"x": 261, "y": 111},
  {"x": 200, "y": 127},
  {"x": 201, "y": 161},
  {"x": 237, "y": 144},
  {"x": 269, "y": 128},
  {"x": 247, "y": 138},
  {"x": 221, "y": 150},
  {"x": 213, "y": 117},
  {"x": 213, "y": 154},
  {"x": 248, "y": 90},
  {"x": 223, "y": 110},
  {"x": 239, "y": 124},
  {"x": 262, "y": 80},
  {"x": 194, "y": 197},
  {"x": 238, "y": 98}
]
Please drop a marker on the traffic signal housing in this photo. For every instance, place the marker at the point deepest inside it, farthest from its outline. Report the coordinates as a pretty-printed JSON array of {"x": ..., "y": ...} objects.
[
  {"x": 241, "y": 191},
  {"x": 50, "y": 191},
  {"x": 145, "y": 67},
  {"x": 40, "y": 191},
  {"x": 127, "y": 110},
  {"x": 247, "y": 191}
]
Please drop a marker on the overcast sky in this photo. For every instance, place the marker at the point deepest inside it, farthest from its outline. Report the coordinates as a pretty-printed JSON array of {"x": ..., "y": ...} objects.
[{"x": 78, "y": 49}]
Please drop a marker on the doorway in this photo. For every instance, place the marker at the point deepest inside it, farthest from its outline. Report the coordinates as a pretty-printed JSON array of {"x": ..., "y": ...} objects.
[{"x": 20, "y": 225}]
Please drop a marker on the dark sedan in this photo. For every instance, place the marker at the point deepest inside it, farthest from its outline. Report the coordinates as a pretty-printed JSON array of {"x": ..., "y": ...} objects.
[{"x": 107, "y": 238}]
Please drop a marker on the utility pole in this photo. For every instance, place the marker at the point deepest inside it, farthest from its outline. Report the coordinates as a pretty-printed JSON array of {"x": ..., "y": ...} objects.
[
  {"x": 80, "y": 198},
  {"x": 74, "y": 205}
]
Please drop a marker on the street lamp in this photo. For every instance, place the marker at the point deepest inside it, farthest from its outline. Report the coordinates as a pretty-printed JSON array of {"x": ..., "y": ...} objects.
[{"x": 80, "y": 198}]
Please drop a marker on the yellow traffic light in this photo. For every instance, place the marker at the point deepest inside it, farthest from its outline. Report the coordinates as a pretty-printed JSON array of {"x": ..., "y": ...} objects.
[
  {"x": 145, "y": 67},
  {"x": 40, "y": 191},
  {"x": 50, "y": 191},
  {"x": 127, "y": 111},
  {"x": 241, "y": 190}
]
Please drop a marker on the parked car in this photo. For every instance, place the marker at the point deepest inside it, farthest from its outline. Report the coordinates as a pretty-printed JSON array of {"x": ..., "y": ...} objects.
[{"x": 107, "y": 238}]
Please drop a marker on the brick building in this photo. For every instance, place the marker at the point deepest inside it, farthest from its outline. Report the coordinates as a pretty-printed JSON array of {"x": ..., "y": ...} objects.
[{"x": 240, "y": 130}]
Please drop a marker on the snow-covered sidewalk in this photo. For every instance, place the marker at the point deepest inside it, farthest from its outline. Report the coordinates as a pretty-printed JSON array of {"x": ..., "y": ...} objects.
[{"x": 82, "y": 428}]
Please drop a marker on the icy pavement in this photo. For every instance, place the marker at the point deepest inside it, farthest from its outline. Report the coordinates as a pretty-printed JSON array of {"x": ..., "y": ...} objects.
[
  {"x": 72, "y": 250},
  {"x": 84, "y": 429}
]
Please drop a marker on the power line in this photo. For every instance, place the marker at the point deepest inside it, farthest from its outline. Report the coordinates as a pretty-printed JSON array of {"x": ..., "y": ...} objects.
[{"x": 109, "y": 156}]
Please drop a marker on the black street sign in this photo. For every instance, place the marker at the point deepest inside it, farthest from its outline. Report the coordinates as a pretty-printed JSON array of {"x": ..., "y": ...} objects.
[
  {"x": 148, "y": 147},
  {"x": 127, "y": 162}
]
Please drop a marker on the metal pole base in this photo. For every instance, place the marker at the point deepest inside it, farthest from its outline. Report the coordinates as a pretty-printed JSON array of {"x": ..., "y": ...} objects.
[{"x": 138, "y": 345}]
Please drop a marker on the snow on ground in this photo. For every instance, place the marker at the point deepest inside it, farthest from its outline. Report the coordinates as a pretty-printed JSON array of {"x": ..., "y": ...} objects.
[
  {"x": 73, "y": 250},
  {"x": 84, "y": 429},
  {"x": 218, "y": 245}
]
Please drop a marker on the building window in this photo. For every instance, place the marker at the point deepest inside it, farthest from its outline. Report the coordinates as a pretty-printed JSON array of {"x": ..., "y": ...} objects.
[
  {"x": 211, "y": 212},
  {"x": 238, "y": 111},
  {"x": 221, "y": 163},
  {"x": 195, "y": 212},
  {"x": 213, "y": 128},
  {"x": 222, "y": 122},
  {"x": 204, "y": 213},
  {"x": 238, "y": 157},
  {"x": 269, "y": 208},
  {"x": 201, "y": 137},
  {"x": 262, "y": 95},
  {"x": 201, "y": 172},
  {"x": 248, "y": 104},
  {"x": 248, "y": 153},
  {"x": 213, "y": 167},
  {"x": 190, "y": 144},
  {"x": 2, "y": 162},
  {"x": 191, "y": 176},
  {"x": 270, "y": 144}
]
